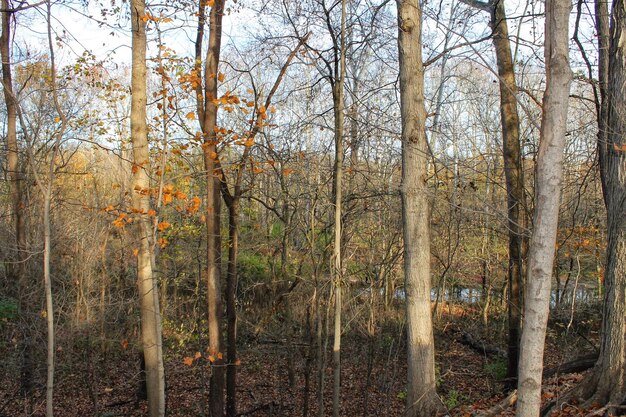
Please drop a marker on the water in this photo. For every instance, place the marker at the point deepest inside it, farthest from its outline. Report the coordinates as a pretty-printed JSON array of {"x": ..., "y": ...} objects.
[{"x": 474, "y": 295}]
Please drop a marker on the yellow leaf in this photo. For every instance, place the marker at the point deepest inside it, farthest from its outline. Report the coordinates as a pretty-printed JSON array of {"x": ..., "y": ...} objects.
[
  {"x": 43, "y": 314},
  {"x": 135, "y": 252},
  {"x": 191, "y": 115},
  {"x": 57, "y": 119}
]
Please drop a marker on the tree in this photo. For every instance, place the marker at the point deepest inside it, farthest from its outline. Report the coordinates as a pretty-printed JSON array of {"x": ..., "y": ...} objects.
[
  {"x": 547, "y": 196},
  {"x": 513, "y": 170},
  {"x": 206, "y": 97},
  {"x": 421, "y": 396},
  {"x": 607, "y": 383},
  {"x": 337, "y": 269},
  {"x": 18, "y": 269},
  {"x": 140, "y": 191}
]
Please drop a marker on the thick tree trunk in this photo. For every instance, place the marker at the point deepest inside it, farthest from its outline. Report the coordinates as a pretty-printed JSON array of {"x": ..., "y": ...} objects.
[
  {"x": 148, "y": 293},
  {"x": 610, "y": 366},
  {"x": 422, "y": 398},
  {"x": 548, "y": 193},
  {"x": 514, "y": 174}
]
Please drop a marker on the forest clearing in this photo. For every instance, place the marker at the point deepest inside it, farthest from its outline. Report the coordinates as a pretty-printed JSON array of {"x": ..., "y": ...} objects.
[{"x": 224, "y": 208}]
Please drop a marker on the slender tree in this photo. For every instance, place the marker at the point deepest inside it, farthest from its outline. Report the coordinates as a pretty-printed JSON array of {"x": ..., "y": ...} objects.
[
  {"x": 513, "y": 171},
  {"x": 148, "y": 291},
  {"x": 206, "y": 93},
  {"x": 422, "y": 397},
  {"x": 18, "y": 267},
  {"x": 337, "y": 270},
  {"x": 547, "y": 196}
]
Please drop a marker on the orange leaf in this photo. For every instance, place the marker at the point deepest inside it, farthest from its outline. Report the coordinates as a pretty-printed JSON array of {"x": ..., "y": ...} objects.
[
  {"x": 220, "y": 77},
  {"x": 151, "y": 213},
  {"x": 211, "y": 358},
  {"x": 220, "y": 356},
  {"x": 198, "y": 355},
  {"x": 188, "y": 361},
  {"x": 135, "y": 252},
  {"x": 191, "y": 115},
  {"x": 163, "y": 225},
  {"x": 124, "y": 344}
]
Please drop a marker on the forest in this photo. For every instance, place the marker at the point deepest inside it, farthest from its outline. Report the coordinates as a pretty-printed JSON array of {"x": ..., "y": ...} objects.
[{"x": 313, "y": 207}]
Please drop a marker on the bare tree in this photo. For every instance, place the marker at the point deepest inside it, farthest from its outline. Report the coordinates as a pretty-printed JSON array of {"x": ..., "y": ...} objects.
[
  {"x": 14, "y": 172},
  {"x": 547, "y": 197},
  {"x": 422, "y": 397},
  {"x": 206, "y": 96},
  {"x": 148, "y": 291}
]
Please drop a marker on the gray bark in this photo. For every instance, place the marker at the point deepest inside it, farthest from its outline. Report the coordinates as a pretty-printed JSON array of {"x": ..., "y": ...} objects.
[
  {"x": 148, "y": 292},
  {"x": 547, "y": 197},
  {"x": 422, "y": 398}
]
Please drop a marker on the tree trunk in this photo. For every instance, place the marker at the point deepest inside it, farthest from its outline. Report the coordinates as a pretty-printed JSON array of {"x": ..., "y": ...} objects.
[
  {"x": 422, "y": 398},
  {"x": 547, "y": 197},
  {"x": 207, "y": 114},
  {"x": 338, "y": 105},
  {"x": 148, "y": 293},
  {"x": 17, "y": 272},
  {"x": 231, "y": 307},
  {"x": 513, "y": 172},
  {"x": 610, "y": 366}
]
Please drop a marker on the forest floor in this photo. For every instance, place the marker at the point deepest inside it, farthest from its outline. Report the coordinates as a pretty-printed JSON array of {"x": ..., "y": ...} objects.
[{"x": 271, "y": 378}]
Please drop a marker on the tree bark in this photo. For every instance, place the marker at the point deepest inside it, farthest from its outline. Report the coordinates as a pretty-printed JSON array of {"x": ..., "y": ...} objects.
[
  {"x": 338, "y": 106},
  {"x": 207, "y": 114},
  {"x": 17, "y": 271},
  {"x": 514, "y": 174},
  {"x": 422, "y": 398},
  {"x": 547, "y": 197},
  {"x": 609, "y": 369},
  {"x": 148, "y": 292}
]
